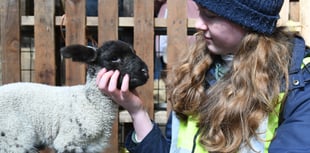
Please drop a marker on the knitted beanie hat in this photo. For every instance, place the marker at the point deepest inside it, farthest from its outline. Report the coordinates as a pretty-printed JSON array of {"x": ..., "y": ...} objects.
[{"x": 258, "y": 15}]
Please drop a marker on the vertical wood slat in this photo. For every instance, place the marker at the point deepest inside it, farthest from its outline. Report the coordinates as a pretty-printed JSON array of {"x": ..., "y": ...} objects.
[
  {"x": 284, "y": 13},
  {"x": 294, "y": 11},
  {"x": 305, "y": 20},
  {"x": 75, "y": 34},
  {"x": 177, "y": 33},
  {"x": 108, "y": 30},
  {"x": 176, "y": 29},
  {"x": 1, "y": 41},
  {"x": 107, "y": 20},
  {"x": 10, "y": 41},
  {"x": 44, "y": 34},
  {"x": 144, "y": 46}
]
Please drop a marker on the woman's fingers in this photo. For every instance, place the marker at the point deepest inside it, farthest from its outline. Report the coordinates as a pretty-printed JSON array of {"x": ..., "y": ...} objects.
[
  {"x": 104, "y": 80},
  {"x": 113, "y": 81},
  {"x": 107, "y": 83},
  {"x": 100, "y": 74},
  {"x": 125, "y": 83}
]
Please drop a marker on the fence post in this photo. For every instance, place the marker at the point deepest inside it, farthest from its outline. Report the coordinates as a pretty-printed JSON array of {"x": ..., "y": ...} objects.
[
  {"x": 177, "y": 33},
  {"x": 75, "y": 34},
  {"x": 44, "y": 34},
  {"x": 107, "y": 20},
  {"x": 108, "y": 30},
  {"x": 144, "y": 46},
  {"x": 284, "y": 13},
  {"x": 10, "y": 41}
]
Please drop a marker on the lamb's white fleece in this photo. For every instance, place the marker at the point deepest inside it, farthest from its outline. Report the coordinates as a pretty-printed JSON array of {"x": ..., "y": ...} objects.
[{"x": 75, "y": 118}]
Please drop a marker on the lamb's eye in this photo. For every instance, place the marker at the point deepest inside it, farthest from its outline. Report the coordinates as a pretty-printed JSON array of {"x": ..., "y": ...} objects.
[{"x": 115, "y": 60}]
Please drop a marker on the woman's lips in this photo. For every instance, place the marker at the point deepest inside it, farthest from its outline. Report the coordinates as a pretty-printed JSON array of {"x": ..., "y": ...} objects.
[{"x": 208, "y": 39}]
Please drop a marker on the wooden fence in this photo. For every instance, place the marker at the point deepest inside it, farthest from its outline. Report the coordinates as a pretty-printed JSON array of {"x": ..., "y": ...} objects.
[{"x": 108, "y": 23}]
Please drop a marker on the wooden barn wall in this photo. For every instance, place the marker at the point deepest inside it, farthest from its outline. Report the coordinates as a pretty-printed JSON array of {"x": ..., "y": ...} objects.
[{"x": 45, "y": 23}]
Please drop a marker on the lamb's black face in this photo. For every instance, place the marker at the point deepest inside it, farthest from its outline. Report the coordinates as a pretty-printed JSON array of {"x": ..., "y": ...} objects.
[
  {"x": 112, "y": 55},
  {"x": 117, "y": 55}
]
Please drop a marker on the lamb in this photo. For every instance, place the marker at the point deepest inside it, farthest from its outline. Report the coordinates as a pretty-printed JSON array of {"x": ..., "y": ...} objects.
[{"x": 69, "y": 119}]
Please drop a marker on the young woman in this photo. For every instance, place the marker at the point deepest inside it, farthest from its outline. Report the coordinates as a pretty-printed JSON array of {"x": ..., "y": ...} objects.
[{"x": 243, "y": 87}]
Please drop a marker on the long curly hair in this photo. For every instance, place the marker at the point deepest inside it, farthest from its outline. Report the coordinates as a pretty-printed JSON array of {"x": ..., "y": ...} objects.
[{"x": 232, "y": 109}]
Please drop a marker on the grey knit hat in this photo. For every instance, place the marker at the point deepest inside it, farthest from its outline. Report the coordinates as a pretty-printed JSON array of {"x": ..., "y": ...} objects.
[{"x": 258, "y": 15}]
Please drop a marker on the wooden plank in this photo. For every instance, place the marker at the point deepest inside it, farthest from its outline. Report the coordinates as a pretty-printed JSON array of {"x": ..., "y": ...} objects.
[
  {"x": 177, "y": 30},
  {"x": 10, "y": 41},
  {"x": 108, "y": 30},
  {"x": 44, "y": 37},
  {"x": 122, "y": 21},
  {"x": 1, "y": 40},
  {"x": 108, "y": 20},
  {"x": 160, "y": 117},
  {"x": 305, "y": 20},
  {"x": 144, "y": 46},
  {"x": 294, "y": 11},
  {"x": 75, "y": 34},
  {"x": 284, "y": 13}
]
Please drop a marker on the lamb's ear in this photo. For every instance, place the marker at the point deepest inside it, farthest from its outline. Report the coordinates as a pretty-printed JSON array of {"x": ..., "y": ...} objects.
[{"x": 79, "y": 53}]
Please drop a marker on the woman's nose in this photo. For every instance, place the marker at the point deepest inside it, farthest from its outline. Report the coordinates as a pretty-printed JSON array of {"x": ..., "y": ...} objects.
[{"x": 200, "y": 24}]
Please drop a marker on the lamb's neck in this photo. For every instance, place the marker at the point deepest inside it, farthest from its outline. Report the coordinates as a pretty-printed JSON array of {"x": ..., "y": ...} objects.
[{"x": 93, "y": 93}]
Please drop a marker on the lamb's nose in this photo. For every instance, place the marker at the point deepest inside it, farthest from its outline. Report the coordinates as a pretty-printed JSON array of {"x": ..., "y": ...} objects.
[{"x": 145, "y": 72}]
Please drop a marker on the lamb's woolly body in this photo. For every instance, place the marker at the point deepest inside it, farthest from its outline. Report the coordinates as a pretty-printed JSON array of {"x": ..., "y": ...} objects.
[
  {"x": 90, "y": 115},
  {"x": 76, "y": 119}
]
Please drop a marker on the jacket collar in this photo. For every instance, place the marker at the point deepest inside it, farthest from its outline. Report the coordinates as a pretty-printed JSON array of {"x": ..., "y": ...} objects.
[{"x": 297, "y": 55}]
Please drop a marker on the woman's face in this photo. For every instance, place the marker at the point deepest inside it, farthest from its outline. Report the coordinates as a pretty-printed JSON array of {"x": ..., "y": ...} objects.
[{"x": 222, "y": 36}]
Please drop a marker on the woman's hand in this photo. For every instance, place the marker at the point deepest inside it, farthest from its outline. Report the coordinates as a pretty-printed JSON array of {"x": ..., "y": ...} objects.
[
  {"x": 130, "y": 100},
  {"x": 107, "y": 83}
]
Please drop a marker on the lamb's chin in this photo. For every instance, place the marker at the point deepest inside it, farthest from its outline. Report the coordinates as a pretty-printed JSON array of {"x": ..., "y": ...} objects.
[{"x": 135, "y": 82}]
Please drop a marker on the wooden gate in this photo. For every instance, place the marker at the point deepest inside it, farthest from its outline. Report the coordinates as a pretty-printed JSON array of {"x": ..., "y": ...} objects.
[{"x": 108, "y": 23}]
